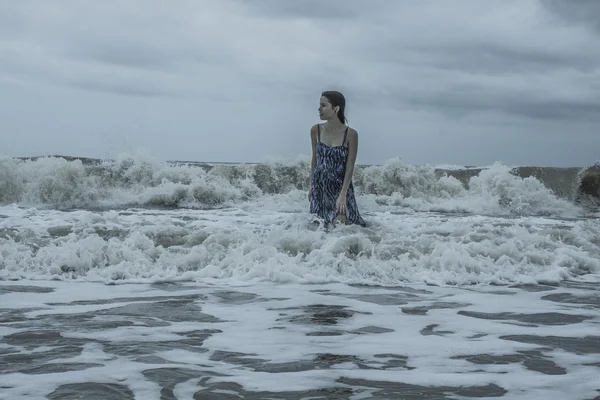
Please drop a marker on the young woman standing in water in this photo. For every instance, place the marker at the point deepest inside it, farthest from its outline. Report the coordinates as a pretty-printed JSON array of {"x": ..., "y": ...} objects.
[{"x": 334, "y": 148}]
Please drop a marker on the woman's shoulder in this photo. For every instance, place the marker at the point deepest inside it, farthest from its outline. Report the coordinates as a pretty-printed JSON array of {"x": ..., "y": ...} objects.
[
  {"x": 352, "y": 132},
  {"x": 314, "y": 129}
]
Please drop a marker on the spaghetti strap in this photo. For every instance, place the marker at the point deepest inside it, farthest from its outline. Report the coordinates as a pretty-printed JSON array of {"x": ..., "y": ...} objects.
[
  {"x": 345, "y": 134},
  {"x": 318, "y": 132}
]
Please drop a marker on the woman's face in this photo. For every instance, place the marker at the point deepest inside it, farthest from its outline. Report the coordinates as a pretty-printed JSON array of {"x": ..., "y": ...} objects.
[{"x": 326, "y": 110}]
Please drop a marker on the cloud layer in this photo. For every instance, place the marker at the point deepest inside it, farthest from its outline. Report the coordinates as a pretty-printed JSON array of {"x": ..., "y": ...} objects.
[{"x": 466, "y": 75}]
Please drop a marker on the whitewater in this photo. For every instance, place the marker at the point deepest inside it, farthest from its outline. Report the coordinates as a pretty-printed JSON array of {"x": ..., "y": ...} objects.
[{"x": 136, "y": 278}]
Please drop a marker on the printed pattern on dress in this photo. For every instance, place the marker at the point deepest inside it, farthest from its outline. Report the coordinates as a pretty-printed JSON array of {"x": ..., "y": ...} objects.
[{"x": 327, "y": 181}]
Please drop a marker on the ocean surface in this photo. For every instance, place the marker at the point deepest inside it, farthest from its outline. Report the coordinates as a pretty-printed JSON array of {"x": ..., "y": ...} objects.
[{"x": 139, "y": 279}]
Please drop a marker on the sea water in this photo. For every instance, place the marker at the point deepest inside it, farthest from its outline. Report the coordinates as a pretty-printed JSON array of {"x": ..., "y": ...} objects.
[{"x": 139, "y": 279}]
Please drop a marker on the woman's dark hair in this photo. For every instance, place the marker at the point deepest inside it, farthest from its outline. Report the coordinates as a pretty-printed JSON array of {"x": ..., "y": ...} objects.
[{"x": 336, "y": 99}]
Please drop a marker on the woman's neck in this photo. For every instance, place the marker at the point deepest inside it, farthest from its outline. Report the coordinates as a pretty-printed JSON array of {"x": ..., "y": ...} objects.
[{"x": 334, "y": 125}]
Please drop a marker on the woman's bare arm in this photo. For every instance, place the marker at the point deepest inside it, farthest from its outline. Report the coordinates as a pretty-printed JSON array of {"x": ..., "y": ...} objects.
[
  {"x": 352, "y": 151},
  {"x": 313, "y": 162}
]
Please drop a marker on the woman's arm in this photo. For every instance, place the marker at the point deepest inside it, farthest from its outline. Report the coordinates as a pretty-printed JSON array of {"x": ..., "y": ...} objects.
[
  {"x": 313, "y": 139},
  {"x": 352, "y": 151}
]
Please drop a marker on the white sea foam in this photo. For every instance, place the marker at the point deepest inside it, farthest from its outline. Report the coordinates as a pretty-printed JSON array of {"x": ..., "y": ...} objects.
[
  {"x": 431, "y": 242},
  {"x": 271, "y": 331},
  {"x": 280, "y": 185},
  {"x": 254, "y": 244}
]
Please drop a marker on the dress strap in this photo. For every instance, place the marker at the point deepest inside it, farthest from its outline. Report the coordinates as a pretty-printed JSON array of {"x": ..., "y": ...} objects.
[
  {"x": 345, "y": 134},
  {"x": 318, "y": 132}
]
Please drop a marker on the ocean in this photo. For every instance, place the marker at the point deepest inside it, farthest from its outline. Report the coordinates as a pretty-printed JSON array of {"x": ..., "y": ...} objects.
[{"x": 135, "y": 278}]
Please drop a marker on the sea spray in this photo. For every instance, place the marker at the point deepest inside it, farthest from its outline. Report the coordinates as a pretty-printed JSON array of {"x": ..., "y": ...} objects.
[{"x": 141, "y": 181}]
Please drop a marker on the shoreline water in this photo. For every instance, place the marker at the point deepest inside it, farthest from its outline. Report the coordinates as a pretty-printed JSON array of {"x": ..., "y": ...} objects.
[
  {"x": 182, "y": 341},
  {"x": 176, "y": 282}
]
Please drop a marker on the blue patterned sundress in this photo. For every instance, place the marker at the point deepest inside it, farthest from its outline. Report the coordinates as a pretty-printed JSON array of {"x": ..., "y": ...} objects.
[{"x": 327, "y": 181}]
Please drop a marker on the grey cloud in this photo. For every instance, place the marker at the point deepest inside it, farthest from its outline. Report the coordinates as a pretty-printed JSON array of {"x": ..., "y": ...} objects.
[
  {"x": 36, "y": 65},
  {"x": 556, "y": 110},
  {"x": 530, "y": 90},
  {"x": 121, "y": 88},
  {"x": 535, "y": 71},
  {"x": 583, "y": 12},
  {"x": 529, "y": 63},
  {"x": 502, "y": 59},
  {"x": 318, "y": 9},
  {"x": 461, "y": 103},
  {"x": 123, "y": 53}
]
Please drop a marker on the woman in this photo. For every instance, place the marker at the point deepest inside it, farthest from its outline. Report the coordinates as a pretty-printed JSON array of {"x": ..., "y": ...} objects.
[{"x": 334, "y": 148}]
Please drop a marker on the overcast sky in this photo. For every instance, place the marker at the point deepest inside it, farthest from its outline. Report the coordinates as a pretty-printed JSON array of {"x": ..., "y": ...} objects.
[{"x": 465, "y": 82}]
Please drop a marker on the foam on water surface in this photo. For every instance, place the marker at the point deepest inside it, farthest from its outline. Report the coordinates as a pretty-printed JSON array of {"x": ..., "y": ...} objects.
[
  {"x": 298, "y": 341},
  {"x": 251, "y": 245},
  {"x": 141, "y": 181},
  {"x": 139, "y": 279}
]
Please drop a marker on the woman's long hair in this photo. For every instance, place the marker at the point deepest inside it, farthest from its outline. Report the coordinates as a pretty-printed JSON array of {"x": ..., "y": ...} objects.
[{"x": 337, "y": 99}]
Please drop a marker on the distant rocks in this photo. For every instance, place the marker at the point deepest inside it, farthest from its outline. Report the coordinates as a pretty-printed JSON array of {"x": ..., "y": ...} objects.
[{"x": 589, "y": 186}]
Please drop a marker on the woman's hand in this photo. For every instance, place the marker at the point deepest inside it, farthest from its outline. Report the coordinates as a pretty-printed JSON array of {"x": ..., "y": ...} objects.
[{"x": 340, "y": 205}]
